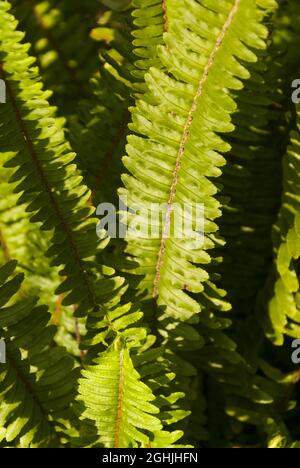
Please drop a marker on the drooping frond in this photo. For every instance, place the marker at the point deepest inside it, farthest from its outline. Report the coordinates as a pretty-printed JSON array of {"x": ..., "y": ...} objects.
[
  {"x": 37, "y": 382},
  {"x": 123, "y": 330}
]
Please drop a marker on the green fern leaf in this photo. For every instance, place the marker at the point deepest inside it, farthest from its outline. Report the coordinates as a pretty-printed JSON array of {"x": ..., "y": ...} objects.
[
  {"x": 177, "y": 125},
  {"x": 37, "y": 382},
  {"x": 117, "y": 400},
  {"x": 48, "y": 181}
]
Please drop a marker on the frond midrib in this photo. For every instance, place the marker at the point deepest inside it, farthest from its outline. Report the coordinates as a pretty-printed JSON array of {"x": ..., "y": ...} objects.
[
  {"x": 4, "y": 245},
  {"x": 119, "y": 414},
  {"x": 165, "y": 15}
]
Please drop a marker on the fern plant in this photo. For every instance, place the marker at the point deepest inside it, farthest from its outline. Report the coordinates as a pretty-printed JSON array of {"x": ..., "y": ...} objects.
[{"x": 149, "y": 341}]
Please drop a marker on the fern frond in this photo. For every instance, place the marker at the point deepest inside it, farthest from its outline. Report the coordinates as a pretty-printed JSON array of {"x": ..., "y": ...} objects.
[
  {"x": 191, "y": 344},
  {"x": 252, "y": 182},
  {"x": 50, "y": 184},
  {"x": 172, "y": 158},
  {"x": 284, "y": 305},
  {"x": 20, "y": 239},
  {"x": 286, "y": 36},
  {"x": 37, "y": 383},
  {"x": 119, "y": 321},
  {"x": 177, "y": 125},
  {"x": 116, "y": 399}
]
